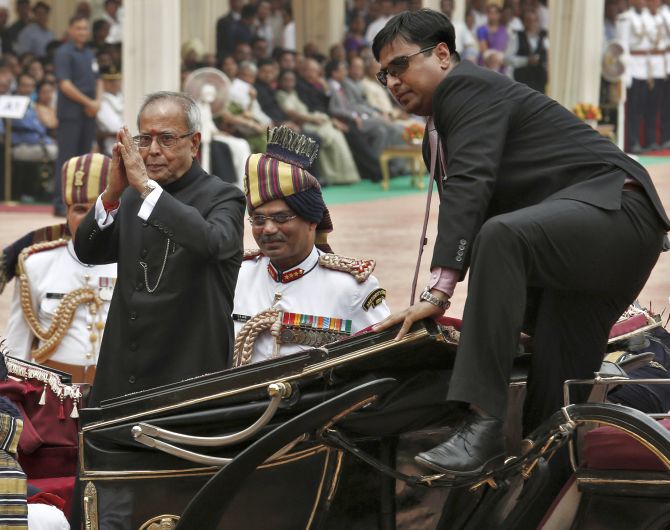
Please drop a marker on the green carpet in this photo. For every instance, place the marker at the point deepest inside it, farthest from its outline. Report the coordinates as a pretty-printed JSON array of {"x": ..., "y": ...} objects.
[
  {"x": 647, "y": 161},
  {"x": 369, "y": 191}
]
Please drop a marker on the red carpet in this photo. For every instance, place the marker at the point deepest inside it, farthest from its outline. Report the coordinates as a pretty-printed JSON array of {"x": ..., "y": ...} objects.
[{"x": 25, "y": 208}]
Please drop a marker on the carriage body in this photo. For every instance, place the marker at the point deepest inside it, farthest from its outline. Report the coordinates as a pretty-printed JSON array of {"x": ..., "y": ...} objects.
[
  {"x": 151, "y": 460},
  {"x": 128, "y": 478}
]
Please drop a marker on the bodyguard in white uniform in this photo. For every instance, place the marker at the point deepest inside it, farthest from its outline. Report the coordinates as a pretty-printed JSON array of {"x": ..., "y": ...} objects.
[
  {"x": 656, "y": 34},
  {"x": 60, "y": 304},
  {"x": 317, "y": 296},
  {"x": 665, "y": 91},
  {"x": 632, "y": 32}
]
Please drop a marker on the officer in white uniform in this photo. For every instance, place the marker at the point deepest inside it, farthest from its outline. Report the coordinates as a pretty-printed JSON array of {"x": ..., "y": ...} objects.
[
  {"x": 665, "y": 92},
  {"x": 317, "y": 297},
  {"x": 60, "y": 304},
  {"x": 656, "y": 35},
  {"x": 631, "y": 31}
]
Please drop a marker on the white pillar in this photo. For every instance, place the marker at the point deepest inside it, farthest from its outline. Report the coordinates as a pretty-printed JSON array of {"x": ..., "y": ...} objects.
[
  {"x": 151, "y": 42},
  {"x": 198, "y": 20},
  {"x": 431, "y": 4},
  {"x": 320, "y": 22},
  {"x": 59, "y": 16},
  {"x": 459, "y": 10},
  {"x": 575, "y": 37}
]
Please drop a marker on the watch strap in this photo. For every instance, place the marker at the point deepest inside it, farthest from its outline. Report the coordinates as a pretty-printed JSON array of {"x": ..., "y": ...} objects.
[
  {"x": 148, "y": 188},
  {"x": 427, "y": 296}
]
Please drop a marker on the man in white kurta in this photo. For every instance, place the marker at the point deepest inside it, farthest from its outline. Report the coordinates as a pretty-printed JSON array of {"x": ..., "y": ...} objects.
[
  {"x": 321, "y": 297},
  {"x": 53, "y": 279}
]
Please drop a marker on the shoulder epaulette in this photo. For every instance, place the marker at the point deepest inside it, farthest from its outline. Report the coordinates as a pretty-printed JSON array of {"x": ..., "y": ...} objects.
[
  {"x": 251, "y": 253},
  {"x": 41, "y": 247},
  {"x": 358, "y": 268}
]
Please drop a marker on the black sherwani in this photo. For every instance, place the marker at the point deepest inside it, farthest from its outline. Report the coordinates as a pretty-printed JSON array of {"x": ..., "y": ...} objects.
[
  {"x": 535, "y": 205},
  {"x": 183, "y": 328}
]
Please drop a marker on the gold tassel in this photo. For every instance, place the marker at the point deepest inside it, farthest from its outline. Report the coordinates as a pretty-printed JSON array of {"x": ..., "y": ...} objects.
[{"x": 43, "y": 397}]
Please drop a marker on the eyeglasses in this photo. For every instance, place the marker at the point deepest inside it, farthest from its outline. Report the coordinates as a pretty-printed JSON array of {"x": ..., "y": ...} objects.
[
  {"x": 399, "y": 65},
  {"x": 277, "y": 218},
  {"x": 167, "y": 140}
]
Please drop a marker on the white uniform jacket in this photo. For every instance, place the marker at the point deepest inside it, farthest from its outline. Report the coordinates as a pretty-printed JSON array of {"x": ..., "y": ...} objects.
[
  {"x": 52, "y": 274},
  {"x": 310, "y": 288}
]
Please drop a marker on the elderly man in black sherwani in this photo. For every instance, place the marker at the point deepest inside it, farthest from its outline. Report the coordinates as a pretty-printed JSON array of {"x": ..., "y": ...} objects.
[
  {"x": 176, "y": 233},
  {"x": 559, "y": 228}
]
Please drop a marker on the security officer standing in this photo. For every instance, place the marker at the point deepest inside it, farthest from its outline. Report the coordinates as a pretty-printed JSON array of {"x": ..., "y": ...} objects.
[
  {"x": 656, "y": 35},
  {"x": 311, "y": 295},
  {"x": 631, "y": 31},
  {"x": 665, "y": 91},
  {"x": 60, "y": 304},
  {"x": 79, "y": 96}
]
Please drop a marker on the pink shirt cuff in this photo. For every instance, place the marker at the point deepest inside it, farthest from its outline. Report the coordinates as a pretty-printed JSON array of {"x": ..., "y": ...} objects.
[{"x": 444, "y": 279}]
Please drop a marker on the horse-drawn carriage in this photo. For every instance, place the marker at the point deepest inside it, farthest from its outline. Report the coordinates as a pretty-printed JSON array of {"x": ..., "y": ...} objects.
[{"x": 318, "y": 439}]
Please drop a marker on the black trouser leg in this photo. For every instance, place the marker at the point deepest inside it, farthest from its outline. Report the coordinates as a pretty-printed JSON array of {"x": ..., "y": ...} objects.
[
  {"x": 651, "y": 108},
  {"x": 601, "y": 258},
  {"x": 665, "y": 113},
  {"x": 635, "y": 105},
  {"x": 75, "y": 137},
  {"x": 584, "y": 321}
]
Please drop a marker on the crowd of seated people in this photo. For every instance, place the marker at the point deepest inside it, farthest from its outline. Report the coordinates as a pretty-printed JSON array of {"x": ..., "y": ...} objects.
[
  {"x": 273, "y": 83},
  {"x": 335, "y": 93},
  {"x": 27, "y": 49}
]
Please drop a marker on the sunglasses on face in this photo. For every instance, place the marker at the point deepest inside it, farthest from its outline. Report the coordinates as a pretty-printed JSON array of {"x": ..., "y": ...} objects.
[{"x": 399, "y": 65}]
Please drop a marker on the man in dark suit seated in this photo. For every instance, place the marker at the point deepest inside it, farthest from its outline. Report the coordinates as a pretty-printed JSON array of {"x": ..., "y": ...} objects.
[
  {"x": 312, "y": 90},
  {"x": 559, "y": 228}
]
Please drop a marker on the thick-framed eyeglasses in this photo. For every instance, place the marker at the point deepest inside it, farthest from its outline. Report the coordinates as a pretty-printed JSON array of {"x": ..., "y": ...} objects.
[
  {"x": 277, "y": 218},
  {"x": 167, "y": 140},
  {"x": 399, "y": 65}
]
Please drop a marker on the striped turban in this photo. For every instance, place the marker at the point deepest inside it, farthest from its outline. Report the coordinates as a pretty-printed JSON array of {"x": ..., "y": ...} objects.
[
  {"x": 84, "y": 178},
  {"x": 282, "y": 174}
]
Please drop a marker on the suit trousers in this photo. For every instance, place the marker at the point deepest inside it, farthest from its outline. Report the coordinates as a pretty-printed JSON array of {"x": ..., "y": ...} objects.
[
  {"x": 563, "y": 271},
  {"x": 75, "y": 137}
]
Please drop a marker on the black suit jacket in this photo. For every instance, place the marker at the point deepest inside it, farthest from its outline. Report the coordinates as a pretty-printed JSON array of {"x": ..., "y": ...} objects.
[
  {"x": 184, "y": 327},
  {"x": 508, "y": 147}
]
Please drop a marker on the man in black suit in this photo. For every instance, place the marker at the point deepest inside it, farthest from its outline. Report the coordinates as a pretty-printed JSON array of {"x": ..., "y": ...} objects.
[
  {"x": 224, "y": 29},
  {"x": 311, "y": 89},
  {"x": 560, "y": 230}
]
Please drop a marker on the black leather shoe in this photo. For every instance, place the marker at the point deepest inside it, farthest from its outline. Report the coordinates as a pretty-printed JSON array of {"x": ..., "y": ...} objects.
[{"x": 473, "y": 448}]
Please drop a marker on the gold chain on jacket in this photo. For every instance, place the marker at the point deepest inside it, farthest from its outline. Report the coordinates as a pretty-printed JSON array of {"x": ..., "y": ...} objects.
[{"x": 64, "y": 313}]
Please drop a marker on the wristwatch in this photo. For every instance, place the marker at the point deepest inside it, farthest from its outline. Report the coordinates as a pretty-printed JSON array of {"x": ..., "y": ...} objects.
[
  {"x": 148, "y": 188},
  {"x": 426, "y": 296}
]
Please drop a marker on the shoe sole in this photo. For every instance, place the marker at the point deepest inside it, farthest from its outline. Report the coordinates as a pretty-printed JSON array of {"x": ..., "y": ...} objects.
[{"x": 485, "y": 467}]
